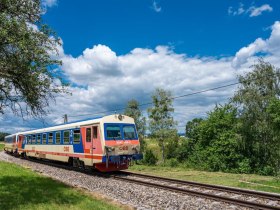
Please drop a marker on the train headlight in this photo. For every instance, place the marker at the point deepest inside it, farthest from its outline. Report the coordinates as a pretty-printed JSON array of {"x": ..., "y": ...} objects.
[{"x": 109, "y": 149}]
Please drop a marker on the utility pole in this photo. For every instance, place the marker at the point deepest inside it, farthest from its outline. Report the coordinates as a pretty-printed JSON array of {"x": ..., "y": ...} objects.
[{"x": 65, "y": 118}]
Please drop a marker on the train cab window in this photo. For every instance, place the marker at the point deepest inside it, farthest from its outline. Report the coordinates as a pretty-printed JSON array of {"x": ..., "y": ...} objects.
[
  {"x": 50, "y": 140},
  {"x": 66, "y": 137},
  {"x": 113, "y": 131},
  {"x": 77, "y": 136},
  {"x": 94, "y": 135},
  {"x": 129, "y": 132},
  {"x": 44, "y": 138},
  {"x": 33, "y": 139},
  {"x": 29, "y": 139},
  {"x": 25, "y": 140},
  {"x": 57, "y": 137},
  {"x": 88, "y": 135}
]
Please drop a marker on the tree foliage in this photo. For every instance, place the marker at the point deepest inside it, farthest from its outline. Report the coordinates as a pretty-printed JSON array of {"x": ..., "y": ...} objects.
[
  {"x": 257, "y": 101},
  {"x": 212, "y": 143},
  {"x": 28, "y": 79},
  {"x": 161, "y": 123},
  {"x": 133, "y": 110},
  {"x": 242, "y": 136}
]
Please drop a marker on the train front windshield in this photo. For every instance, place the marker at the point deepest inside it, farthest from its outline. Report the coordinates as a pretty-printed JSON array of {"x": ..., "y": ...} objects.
[{"x": 120, "y": 132}]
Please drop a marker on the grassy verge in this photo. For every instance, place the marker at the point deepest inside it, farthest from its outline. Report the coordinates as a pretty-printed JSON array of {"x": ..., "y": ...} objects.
[
  {"x": 24, "y": 189},
  {"x": 249, "y": 181},
  {"x": 1, "y": 146}
]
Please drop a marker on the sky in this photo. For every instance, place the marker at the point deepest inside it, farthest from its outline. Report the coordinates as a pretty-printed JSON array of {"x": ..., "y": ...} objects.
[{"x": 116, "y": 50}]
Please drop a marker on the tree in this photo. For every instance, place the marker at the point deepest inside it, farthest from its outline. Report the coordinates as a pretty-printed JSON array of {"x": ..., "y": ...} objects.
[
  {"x": 133, "y": 110},
  {"x": 212, "y": 143},
  {"x": 28, "y": 78},
  {"x": 161, "y": 121},
  {"x": 253, "y": 98}
]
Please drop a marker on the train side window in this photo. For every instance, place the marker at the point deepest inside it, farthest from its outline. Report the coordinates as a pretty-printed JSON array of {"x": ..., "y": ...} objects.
[
  {"x": 77, "y": 136},
  {"x": 29, "y": 139},
  {"x": 88, "y": 135},
  {"x": 57, "y": 137},
  {"x": 44, "y": 139},
  {"x": 34, "y": 139},
  {"x": 50, "y": 140},
  {"x": 25, "y": 140},
  {"x": 37, "y": 139},
  {"x": 66, "y": 137},
  {"x": 95, "y": 132}
]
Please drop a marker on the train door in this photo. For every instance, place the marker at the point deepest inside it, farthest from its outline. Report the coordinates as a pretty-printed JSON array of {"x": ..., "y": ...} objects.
[
  {"x": 88, "y": 143},
  {"x": 20, "y": 142},
  {"x": 96, "y": 143}
]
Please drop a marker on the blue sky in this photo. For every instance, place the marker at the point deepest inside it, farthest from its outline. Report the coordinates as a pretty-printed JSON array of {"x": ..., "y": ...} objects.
[
  {"x": 116, "y": 50},
  {"x": 200, "y": 27}
]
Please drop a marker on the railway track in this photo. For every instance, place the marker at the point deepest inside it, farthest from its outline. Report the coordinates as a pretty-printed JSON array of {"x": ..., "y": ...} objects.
[{"x": 236, "y": 196}]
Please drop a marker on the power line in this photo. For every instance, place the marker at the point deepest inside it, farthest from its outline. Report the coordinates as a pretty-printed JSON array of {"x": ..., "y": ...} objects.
[{"x": 174, "y": 98}]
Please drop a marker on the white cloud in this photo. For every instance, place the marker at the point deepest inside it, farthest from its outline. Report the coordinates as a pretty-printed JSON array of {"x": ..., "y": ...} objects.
[
  {"x": 156, "y": 6},
  {"x": 270, "y": 45},
  {"x": 49, "y": 3},
  {"x": 256, "y": 11},
  {"x": 105, "y": 81},
  {"x": 253, "y": 11}
]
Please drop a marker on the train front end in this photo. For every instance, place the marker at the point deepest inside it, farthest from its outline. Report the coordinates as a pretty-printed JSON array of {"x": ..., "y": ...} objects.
[{"x": 121, "y": 143}]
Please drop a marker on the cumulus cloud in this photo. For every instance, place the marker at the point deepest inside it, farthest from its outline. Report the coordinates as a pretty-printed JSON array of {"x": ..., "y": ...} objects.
[
  {"x": 103, "y": 81},
  {"x": 253, "y": 11},
  {"x": 270, "y": 45}
]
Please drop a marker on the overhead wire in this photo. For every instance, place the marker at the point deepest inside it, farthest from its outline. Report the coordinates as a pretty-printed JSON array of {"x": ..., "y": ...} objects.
[{"x": 150, "y": 103}]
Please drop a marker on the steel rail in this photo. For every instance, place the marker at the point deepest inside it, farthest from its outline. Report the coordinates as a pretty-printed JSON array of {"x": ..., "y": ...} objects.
[
  {"x": 260, "y": 194},
  {"x": 219, "y": 198}
]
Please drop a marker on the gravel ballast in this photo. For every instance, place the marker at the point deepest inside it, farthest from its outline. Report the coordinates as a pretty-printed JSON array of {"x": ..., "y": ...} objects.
[{"x": 134, "y": 195}]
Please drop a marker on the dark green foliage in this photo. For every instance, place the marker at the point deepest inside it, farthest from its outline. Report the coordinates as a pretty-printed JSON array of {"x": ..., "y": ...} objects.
[
  {"x": 133, "y": 110},
  {"x": 28, "y": 78},
  {"x": 258, "y": 102},
  {"x": 149, "y": 158},
  {"x": 2, "y": 136},
  {"x": 213, "y": 142}
]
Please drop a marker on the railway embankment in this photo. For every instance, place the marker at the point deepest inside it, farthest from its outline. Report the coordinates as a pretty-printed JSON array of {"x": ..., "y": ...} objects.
[{"x": 131, "y": 194}]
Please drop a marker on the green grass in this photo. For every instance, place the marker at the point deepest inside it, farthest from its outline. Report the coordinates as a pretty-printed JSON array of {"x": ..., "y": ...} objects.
[
  {"x": 21, "y": 188},
  {"x": 1, "y": 146},
  {"x": 249, "y": 181}
]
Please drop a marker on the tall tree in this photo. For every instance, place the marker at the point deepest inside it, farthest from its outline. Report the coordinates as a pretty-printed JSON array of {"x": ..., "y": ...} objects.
[
  {"x": 161, "y": 121},
  {"x": 253, "y": 97},
  {"x": 133, "y": 110},
  {"x": 28, "y": 78}
]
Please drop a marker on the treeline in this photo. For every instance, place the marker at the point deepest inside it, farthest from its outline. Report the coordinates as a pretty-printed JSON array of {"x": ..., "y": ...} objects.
[
  {"x": 241, "y": 136},
  {"x": 2, "y": 136}
]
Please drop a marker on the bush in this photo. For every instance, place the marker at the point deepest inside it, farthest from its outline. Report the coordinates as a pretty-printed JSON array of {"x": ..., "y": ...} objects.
[
  {"x": 244, "y": 166},
  {"x": 149, "y": 158},
  {"x": 267, "y": 171},
  {"x": 173, "y": 162}
]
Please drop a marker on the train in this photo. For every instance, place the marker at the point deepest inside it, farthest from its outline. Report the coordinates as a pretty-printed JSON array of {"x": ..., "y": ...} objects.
[{"x": 108, "y": 143}]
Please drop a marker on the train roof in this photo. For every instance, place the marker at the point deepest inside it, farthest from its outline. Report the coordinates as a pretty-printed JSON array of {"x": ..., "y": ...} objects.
[{"x": 77, "y": 124}]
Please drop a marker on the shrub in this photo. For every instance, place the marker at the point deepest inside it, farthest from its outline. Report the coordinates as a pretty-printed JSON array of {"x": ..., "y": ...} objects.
[
  {"x": 149, "y": 158},
  {"x": 244, "y": 166}
]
